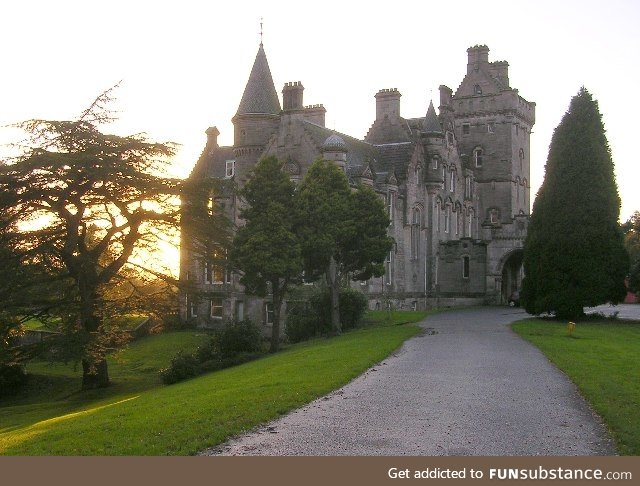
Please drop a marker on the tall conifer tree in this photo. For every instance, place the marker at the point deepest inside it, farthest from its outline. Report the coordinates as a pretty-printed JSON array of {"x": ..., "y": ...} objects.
[{"x": 574, "y": 255}]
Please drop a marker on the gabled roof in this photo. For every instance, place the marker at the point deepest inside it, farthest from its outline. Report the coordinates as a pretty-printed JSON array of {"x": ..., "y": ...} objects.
[{"x": 260, "y": 94}]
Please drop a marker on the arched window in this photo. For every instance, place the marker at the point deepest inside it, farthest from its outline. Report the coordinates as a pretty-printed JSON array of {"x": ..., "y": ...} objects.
[
  {"x": 477, "y": 156},
  {"x": 452, "y": 179},
  {"x": 470, "y": 224},
  {"x": 477, "y": 89},
  {"x": 415, "y": 233},
  {"x": 447, "y": 218},
  {"x": 419, "y": 173},
  {"x": 437, "y": 214},
  {"x": 435, "y": 162}
]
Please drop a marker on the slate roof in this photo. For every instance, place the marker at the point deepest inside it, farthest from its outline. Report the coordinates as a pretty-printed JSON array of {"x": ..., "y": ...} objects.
[
  {"x": 431, "y": 123},
  {"x": 260, "y": 94}
]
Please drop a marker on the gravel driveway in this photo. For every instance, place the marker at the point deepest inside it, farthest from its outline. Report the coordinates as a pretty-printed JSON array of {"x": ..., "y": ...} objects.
[{"x": 467, "y": 385}]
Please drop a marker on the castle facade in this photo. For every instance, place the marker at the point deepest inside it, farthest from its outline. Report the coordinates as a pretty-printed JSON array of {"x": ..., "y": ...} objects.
[{"x": 455, "y": 183}]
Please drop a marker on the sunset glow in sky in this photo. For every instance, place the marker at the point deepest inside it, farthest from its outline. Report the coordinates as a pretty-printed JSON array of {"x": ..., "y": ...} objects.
[{"x": 184, "y": 65}]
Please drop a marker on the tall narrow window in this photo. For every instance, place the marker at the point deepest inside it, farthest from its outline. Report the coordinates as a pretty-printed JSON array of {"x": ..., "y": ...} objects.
[
  {"x": 268, "y": 313},
  {"x": 467, "y": 187},
  {"x": 207, "y": 272},
  {"x": 466, "y": 129},
  {"x": 437, "y": 215},
  {"x": 447, "y": 219},
  {"x": 192, "y": 308},
  {"x": 452, "y": 181},
  {"x": 491, "y": 127},
  {"x": 470, "y": 224},
  {"x": 521, "y": 157},
  {"x": 477, "y": 156},
  {"x": 230, "y": 168},
  {"x": 415, "y": 234},
  {"x": 465, "y": 266},
  {"x": 435, "y": 162}
]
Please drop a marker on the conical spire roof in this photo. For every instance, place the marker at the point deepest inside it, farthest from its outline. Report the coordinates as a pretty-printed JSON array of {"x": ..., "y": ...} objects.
[
  {"x": 260, "y": 94},
  {"x": 431, "y": 123}
]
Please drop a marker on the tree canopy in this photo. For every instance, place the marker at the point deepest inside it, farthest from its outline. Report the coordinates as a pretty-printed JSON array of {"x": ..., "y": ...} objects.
[
  {"x": 79, "y": 203},
  {"x": 266, "y": 248},
  {"x": 343, "y": 231},
  {"x": 573, "y": 254}
]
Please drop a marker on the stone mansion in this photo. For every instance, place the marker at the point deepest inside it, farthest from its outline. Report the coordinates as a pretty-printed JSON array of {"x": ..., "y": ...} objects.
[{"x": 455, "y": 182}]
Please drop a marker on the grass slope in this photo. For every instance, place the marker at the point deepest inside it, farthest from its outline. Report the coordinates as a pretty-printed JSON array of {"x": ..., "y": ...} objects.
[
  {"x": 190, "y": 416},
  {"x": 601, "y": 357}
]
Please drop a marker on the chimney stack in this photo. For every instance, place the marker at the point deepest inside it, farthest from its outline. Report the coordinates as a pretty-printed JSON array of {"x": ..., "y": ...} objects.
[{"x": 292, "y": 96}]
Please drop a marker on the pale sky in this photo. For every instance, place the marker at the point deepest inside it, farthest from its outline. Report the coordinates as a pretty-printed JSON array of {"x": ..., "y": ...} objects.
[{"x": 184, "y": 64}]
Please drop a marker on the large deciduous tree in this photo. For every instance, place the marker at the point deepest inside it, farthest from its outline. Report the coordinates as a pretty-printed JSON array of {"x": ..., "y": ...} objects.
[
  {"x": 574, "y": 255},
  {"x": 343, "y": 231},
  {"x": 81, "y": 203},
  {"x": 266, "y": 248}
]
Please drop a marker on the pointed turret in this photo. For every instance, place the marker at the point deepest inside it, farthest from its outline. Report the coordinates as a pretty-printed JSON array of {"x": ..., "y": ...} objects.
[
  {"x": 431, "y": 123},
  {"x": 260, "y": 94}
]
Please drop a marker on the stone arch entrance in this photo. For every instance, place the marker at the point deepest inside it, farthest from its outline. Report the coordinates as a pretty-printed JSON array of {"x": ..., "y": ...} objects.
[{"x": 512, "y": 273}]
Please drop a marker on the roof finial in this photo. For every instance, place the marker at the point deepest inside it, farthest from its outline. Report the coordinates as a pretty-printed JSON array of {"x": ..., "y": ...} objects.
[{"x": 260, "y": 31}]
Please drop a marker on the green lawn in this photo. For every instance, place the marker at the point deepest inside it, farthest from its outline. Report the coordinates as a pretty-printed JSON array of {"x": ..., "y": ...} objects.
[
  {"x": 396, "y": 317},
  {"x": 139, "y": 416},
  {"x": 602, "y": 358}
]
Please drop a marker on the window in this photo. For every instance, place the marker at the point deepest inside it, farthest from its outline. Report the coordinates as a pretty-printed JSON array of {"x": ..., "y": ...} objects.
[
  {"x": 470, "y": 224},
  {"x": 192, "y": 308},
  {"x": 239, "y": 310},
  {"x": 466, "y": 128},
  {"x": 216, "y": 308},
  {"x": 437, "y": 215},
  {"x": 450, "y": 138},
  {"x": 207, "y": 272},
  {"x": 456, "y": 221},
  {"x": 467, "y": 187},
  {"x": 447, "y": 219},
  {"x": 415, "y": 233},
  {"x": 388, "y": 274},
  {"x": 494, "y": 216},
  {"x": 452, "y": 181},
  {"x": 268, "y": 313},
  {"x": 230, "y": 168},
  {"x": 435, "y": 162},
  {"x": 418, "y": 173},
  {"x": 391, "y": 197},
  {"x": 517, "y": 129},
  {"x": 477, "y": 156},
  {"x": 465, "y": 266},
  {"x": 521, "y": 157},
  {"x": 477, "y": 89},
  {"x": 491, "y": 127}
]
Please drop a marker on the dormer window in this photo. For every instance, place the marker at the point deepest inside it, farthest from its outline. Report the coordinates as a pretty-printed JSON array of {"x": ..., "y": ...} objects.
[{"x": 477, "y": 156}]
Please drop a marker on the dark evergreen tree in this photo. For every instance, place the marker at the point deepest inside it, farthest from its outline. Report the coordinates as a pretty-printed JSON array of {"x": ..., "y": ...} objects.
[
  {"x": 266, "y": 249},
  {"x": 631, "y": 231},
  {"x": 574, "y": 255},
  {"x": 343, "y": 231}
]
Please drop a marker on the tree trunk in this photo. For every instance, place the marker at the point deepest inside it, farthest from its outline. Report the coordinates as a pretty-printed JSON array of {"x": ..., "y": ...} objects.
[
  {"x": 334, "y": 288},
  {"x": 275, "y": 329},
  {"x": 94, "y": 375},
  {"x": 94, "y": 367}
]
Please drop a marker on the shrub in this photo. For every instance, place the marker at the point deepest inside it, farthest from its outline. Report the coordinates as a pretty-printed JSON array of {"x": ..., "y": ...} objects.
[
  {"x": 353, "y": 305},
  {"x": 183, "y": 366},
  {"x": 302, "y": 322},
  {"x": 240, "y": 337},
  {"x": 237, "y": 343},
  {"x": 307, "y": 321},
  {"x": 12, "y": 377}
]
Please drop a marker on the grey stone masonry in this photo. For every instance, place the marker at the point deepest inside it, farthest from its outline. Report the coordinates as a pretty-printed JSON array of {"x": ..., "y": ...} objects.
[{"x": 455, "y": 184}]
